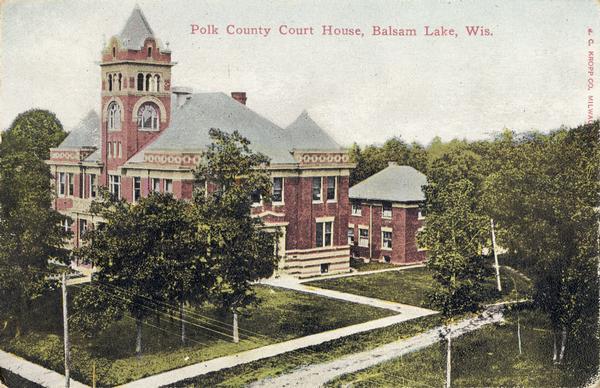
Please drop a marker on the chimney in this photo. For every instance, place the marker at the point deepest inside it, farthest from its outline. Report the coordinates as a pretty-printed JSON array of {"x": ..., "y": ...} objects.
[
  {"x": 183, "y": 94},
  {"x": 239, "y": 97},
  {"x": 390, "y": 164}
]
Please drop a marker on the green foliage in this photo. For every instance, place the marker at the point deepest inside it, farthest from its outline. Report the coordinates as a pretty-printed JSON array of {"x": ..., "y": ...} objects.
[
  {"x": 240, "y": 247},
  {"x": 543, "y": 196},
  {"x": 161, "y": 262},
  {"x": 30, "y": 231},
  {"x": 373, "y": 159}
]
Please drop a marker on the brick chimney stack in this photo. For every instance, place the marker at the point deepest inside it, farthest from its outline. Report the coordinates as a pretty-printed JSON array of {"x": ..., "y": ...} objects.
[{"x": 239, "y": 97}]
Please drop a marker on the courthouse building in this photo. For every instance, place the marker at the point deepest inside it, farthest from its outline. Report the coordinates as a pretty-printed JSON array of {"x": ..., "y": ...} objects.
[{"x": 149, "y": 137}]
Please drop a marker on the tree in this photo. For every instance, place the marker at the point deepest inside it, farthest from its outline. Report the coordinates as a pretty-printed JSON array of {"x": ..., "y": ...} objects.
[
  {"x": 242, "y": 250},
  {"x": 544, "y": 197},
  {"x": 30, "y": 231},
  {"x": 160, "y": 263},
  {"x": 455, "y": 235}
]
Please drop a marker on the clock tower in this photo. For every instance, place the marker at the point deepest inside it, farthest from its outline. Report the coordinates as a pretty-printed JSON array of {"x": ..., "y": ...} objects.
[{"x": 136, "y": 92}]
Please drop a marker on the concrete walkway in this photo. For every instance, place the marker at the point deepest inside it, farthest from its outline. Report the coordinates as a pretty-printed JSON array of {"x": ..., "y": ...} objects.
[
  {"x": 318, "y": 374},
  {"x": 33, "y": 372},
  {"x": 225, "y": 362},
  {"x": 294, "y": 284},
  {"x": 360, "y": 273}
]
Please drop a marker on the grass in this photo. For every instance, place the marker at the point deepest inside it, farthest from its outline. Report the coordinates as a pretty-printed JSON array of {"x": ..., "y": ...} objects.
[
  {"x": 281, "y": 315},
  {"x": 361, "y": 266},
  {"x": 410, "y": 286},
  {"x": 486, "y": 357},
  {"x": 242, "y": 375}
]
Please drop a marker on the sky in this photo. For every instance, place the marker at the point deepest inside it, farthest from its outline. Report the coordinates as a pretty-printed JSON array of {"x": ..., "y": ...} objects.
[{"x": 530, "y": 73}]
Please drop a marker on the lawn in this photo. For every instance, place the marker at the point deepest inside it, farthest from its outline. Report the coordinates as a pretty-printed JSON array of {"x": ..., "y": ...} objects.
[
  {"x": 281, "y": 315},
  {"x": 410, "y": 286},
  {"x": 245, "y": 374},
  {"x": 486, "y": 357}
]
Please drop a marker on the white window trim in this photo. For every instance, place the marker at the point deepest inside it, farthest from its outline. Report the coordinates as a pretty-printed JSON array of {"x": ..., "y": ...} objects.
[
  {"x": 359, "y": 213},
  {"x": 70, "y": 182},
  {"x": 93, "y": 183},
  {"x": 324, "y": 221},
  {"x": 282, "y": 202},
  {"x": 152, "y": 180},
  {"x": 62, "y": 184},
  {"x": 383, "y": 247},
  {"x": 165, "y": 184},
  {"x": 320, "y": 200},
  {"x": 133, "y": 188},
  {"x": 420, "y": 215},
  {"x": 111, "y": 183},
  {"x": 335, "y": 192},
  {"x": 359, "y": 237},
  {"x": 383, "y": 212},
  {"x": 351, "y": 228}
]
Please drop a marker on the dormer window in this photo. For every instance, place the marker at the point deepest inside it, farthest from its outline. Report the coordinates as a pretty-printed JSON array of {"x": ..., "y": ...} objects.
[
  {"x": 148, "y": 117},
  {"x": 114, "y": 52},
  {"x": 149, "y": 52}
]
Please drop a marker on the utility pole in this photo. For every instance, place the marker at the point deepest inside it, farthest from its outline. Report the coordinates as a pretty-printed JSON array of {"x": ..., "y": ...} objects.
[
  {"x": 66, "y": 329},
  {"x": 449, "y": 360},
  {"x": 496, "y": 256}
]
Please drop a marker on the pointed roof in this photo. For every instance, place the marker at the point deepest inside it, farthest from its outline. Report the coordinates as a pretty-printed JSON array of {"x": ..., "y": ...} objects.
[
  {"x": 84, "y": 134},
  {"x": 394, "y": 183},
  {"x": 305, "y": 133},
  {"x": 136, "y": 30}
]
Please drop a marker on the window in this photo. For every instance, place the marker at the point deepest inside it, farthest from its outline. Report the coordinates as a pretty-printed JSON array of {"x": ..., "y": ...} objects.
[
  {"x": 148, "y": 117},
  {"x": 82, "y": 227},
  {"x": 62, "y": 183},
  {"x": 255, "y": 198},
  {"x": 114, "y": 185},
  {"x": 137, "y": 188},
  {"x": 93, "y": 185},
  {"x": 119, "y": 150},
  {"x": 277, "y": 190},
  {"x": 120, "y": 81},
  {"x": 350, "y": 236},
  {"x": 168, "y": 185},
  {"x": 356, "y": 209},
  {"x": 387, "y": 210},
  {"x": 148, "y": 77},
  {"x": 109, "y": 148},
  {"x": 140, "y": 82},
  {"x": 387, "y": 259},
  {"x": 110, "y": 82},
  {"x": 157, "y": 83},
  {"x": 66, "y": 225},
  {"x": 331, "y": 188},
  {"x": 114, "y": 116},
  {"x": 323, "y": 237},
  {"x": 420, "y": 215},
  {"x": 316, "y": 188},
  {"x": 156, "y": 185},
  {"x": 324, "y": 267},
  {"x": 363, "y": 237},
  {"x": 386, "y": 239},
  {"x": 114, "y": 52},
  {"x": 149, "y": 51},
  {"x": 71, "y": 184}
]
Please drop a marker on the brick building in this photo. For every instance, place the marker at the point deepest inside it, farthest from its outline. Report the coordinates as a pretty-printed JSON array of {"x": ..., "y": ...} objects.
[
  {"x": 149, "y": 137},
  {"x": 385, "y": 216}
]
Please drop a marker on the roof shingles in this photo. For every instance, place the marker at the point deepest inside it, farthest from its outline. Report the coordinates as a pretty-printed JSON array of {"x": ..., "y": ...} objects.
[{"x": 394, "y": 183}]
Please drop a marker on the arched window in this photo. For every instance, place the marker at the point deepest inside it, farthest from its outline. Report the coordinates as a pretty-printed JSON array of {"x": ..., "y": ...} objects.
[
  {"x": 149, "y": 51},
  {"x": 110, "y": 81},
  {"x": 140, "y": 82},
  {"x": 148, "y": 117},
  {"x": 114, "y": 52},
  {"x": 148, "y": 76},
  {"x": 157, "y": 82},
  {"x": 120, "y": 81},
  {"x": 114, "y": 116}
]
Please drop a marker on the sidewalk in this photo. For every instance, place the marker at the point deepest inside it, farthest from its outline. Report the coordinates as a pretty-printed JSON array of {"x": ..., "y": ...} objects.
[
  {"x": 318, "y": 374},
  {"x": 217, "y": 364},
  {"x": 294, "y": 284},
  {"x": 33, "y": 372}
]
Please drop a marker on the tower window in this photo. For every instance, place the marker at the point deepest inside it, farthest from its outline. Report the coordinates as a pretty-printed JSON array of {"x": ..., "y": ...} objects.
[
  {"x": 114, "y": 52},
  {"x": 120, "y": 81},
  {"x": 149, "y": 51},
  {"x": 110, "y": 82},
  {"x": 148, "y": 117},
  {"x": 114, "y": 116},
  {"x": 148, "y": 76},
  {"x": 157, "y": 82},
  {"x": 140, "y": 82}
]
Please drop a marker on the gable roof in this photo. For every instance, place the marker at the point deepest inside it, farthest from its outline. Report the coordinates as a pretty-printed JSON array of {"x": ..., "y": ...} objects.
[
  {"x": 305, "y": 133},
  {"x": 191, "y": 123},
  {"x": 136, "y": 30},
  {"x": 394, "y": 183},
  {"x": 85, "y": 134}
]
